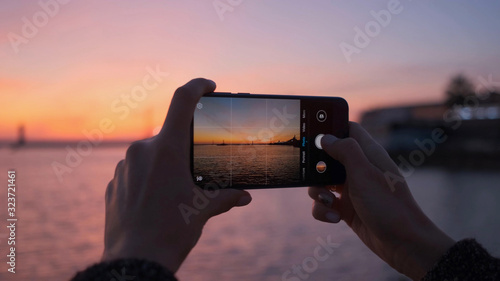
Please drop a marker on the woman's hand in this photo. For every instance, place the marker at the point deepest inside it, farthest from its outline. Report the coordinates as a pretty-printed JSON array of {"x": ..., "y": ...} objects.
[
  {"x": 376, "y": 203},
  {"x": 152, "y": 205}
]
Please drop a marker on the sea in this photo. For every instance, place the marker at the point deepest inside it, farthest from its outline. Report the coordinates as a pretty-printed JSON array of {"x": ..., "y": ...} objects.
[
  {"x": 247, "y": 164},
  {"x": 60, "y": 223}
]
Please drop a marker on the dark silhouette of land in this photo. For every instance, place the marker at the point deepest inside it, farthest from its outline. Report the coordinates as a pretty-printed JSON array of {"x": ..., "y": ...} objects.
[
  {"x": 464, "y": 129},
  {"x": 292, "y": 142}
]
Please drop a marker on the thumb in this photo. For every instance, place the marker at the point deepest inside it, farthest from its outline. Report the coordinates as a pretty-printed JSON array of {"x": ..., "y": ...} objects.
[{"x": 226, "y": 200}]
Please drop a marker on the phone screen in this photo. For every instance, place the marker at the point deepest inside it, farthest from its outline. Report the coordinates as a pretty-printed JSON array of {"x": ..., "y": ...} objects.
[{"x": 263, "y": 141}]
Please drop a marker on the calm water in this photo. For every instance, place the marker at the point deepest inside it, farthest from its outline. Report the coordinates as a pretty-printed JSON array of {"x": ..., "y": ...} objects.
[
  {"x": 60, "y": 227},
  {"x": 247, "y": 164}
]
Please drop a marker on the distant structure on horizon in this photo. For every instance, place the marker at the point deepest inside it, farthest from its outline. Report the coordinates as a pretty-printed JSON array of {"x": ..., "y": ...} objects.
[
  {"x": 471, "y": 129},
  {"x": 293, "y": 142},
  {"x": 463, "y": 129},
  {"x": 221, "y": 144},
  {"x": 21, "y": 137}
]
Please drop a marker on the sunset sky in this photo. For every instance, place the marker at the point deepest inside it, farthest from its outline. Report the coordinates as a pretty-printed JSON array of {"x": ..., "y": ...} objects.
[
  {"x": 66, "y": 67},
  {"x": 246, "y": 121}
]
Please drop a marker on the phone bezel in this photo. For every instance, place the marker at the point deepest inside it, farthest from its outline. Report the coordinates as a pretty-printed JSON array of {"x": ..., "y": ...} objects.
[{"x": 341, "y": 115}]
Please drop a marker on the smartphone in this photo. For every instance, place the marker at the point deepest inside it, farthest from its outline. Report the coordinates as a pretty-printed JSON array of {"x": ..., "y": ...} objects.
[{"x": 249, "y": 141}]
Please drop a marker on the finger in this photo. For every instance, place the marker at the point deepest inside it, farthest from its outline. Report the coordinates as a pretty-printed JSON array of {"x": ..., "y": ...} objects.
[
  {"x": 379, "y": 157},
  {"x": 223, "y": 200},
  {"x": 348, "y": 152},
  {"x": 326, "y": 206},
  {"x": 321, "y": 194},
  {"x": 375, "y": 153},
  {"x": 110, "y": 191},
  {"x": 118, "y": 177},
  {"x": 335, "y": 188},
  {"x": 119, "y": 167},
  {"x": 324, "y": 213},
  {"x": 177, "y": 125}
]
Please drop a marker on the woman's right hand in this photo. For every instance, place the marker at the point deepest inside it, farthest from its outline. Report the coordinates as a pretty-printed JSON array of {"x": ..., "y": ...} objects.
[{"x": 376, "y": 203}]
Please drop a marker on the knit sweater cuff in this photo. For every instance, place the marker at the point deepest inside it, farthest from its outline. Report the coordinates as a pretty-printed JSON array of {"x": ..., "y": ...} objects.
[
  {"x": 466, "y": 260},
  {"x": 125, "y": 269}
]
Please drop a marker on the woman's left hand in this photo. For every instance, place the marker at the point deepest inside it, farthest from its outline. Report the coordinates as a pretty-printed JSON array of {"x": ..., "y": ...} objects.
[{"x": 153, "y": 208}]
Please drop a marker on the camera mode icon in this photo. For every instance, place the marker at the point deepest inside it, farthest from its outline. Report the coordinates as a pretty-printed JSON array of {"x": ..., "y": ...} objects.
[
  {"x": 321, "y": 116},
  {"x": 321, "y": 167}
]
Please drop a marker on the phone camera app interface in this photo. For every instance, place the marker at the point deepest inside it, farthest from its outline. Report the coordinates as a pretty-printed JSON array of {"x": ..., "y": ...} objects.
[{"x": 246, "y": 141}]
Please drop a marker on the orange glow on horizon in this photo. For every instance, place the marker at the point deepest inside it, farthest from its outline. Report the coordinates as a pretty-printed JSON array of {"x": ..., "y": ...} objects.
[
  {"x": 228, "y": 138},
  {"x": 79, "y": 68}
]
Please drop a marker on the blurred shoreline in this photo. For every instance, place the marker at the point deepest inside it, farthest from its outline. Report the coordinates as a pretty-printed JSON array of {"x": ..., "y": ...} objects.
[
  {"x": 5, "y": 144},
  {"x": 438, "y": 134}
]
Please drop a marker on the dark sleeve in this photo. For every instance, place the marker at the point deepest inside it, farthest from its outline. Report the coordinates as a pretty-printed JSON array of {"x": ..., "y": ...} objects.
[
  {"x": 125, "y": 269},
  {"x": 466, "y": 260}
]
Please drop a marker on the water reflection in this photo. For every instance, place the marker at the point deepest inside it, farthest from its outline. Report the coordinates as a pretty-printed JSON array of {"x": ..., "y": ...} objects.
[{"x": 61, "y": 224}]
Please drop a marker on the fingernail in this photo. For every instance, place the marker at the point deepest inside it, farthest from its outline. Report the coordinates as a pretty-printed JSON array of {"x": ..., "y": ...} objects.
[
  {"x": 327, "y": 140},
  {"x": 212, "y": 81},
  {"x": 332, "y": 216},
  {"x": 325, "y": 199},
  {"x": 244, "y": 200}
]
